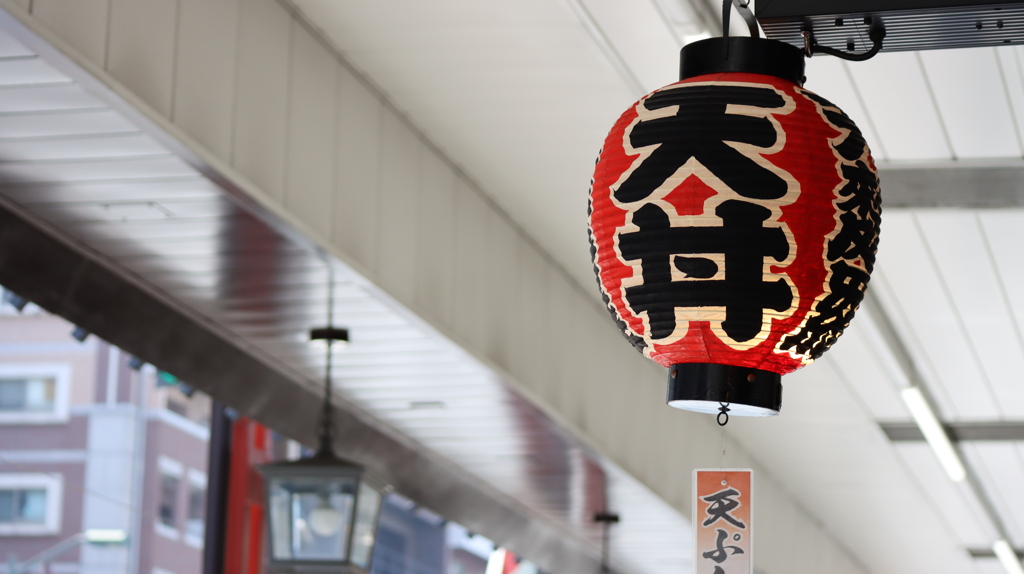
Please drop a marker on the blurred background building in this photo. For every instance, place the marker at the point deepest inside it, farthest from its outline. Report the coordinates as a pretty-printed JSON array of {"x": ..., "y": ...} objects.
[{"x": 92, "y": 438}]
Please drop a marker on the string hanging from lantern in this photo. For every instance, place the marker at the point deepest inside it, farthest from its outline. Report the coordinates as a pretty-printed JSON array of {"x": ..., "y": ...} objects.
[{"x": 723, "y": 443}]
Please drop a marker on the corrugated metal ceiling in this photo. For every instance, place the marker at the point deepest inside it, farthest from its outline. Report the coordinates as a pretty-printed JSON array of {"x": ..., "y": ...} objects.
[
  {"x": 76, "y": 161},
  {"x": 482, "y": 83}
]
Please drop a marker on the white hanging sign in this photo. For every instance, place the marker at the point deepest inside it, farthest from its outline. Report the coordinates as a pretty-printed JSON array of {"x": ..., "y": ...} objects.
[{"x": 723, "y": 521}]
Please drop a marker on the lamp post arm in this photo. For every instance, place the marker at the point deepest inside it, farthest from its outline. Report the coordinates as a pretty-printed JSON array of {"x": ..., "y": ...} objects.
[{"x": 48, "y": 554}]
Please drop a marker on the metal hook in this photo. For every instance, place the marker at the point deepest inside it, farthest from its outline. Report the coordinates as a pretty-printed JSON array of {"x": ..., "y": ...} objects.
[
  {"x": 723, "y": 410},
  {"x": 743, "y": 7}
]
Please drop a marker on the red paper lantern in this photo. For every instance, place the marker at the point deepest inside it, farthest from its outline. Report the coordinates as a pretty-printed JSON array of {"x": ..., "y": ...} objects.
[{"x": 733, "y": 224}]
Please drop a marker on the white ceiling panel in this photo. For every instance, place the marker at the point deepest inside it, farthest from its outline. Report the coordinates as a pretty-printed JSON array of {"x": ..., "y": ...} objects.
[
  {"x": 637, "y": 31},
  {"x": 1011, "y": 62},
  {"x": 989, "y": 566},
  {"x": 875, "y": 325},
  {"x": 897, "y": 96},
  {"x": 854, "y": 357},
  {"x": 50, "y": 124},
  {"x": 193, "y": 187},
  {"x": 830, "y": 78},
  {"x": 962, "y": 512},
  {"x": 1004, "y": 233},
  {"x": 1001, "y": 470},
  {"x": 965, "y": 263},
  {"x": 28, "y": 70},
  {"x": 109, "y": 146},
  {"x": 11, "y": 48},
  {"x": 454, "y": 394},
  {"x": 141, "y": 210},
  {"x": 45, "y": 98},
  {"x": 658, "y": 539},
  {"x": 973, "y": 102},
  {"x": 517, "y": 93},
  {"x": 363, "y": 352},
  {"x": 151, "y": 227},
  {"x": 685, "y": 20},
  {"x": 409, "y": 405},
  {"x": 105, "y": 169},
  {"x": 923, "y": 312},
  {"x": 382, "y": 349}
]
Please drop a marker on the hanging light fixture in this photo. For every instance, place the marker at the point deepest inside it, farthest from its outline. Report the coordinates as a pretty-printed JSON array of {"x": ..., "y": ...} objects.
[
  {"x": 323, "y": 510},
  {"x": 606, "y": 520},
  {"x": 733, "y": 223}
]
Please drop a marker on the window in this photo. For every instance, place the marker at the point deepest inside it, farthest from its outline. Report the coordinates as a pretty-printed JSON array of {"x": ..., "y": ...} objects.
[
  {"x": 30, "y": 503},
  {"x": 167, "y": 497},
  {"x": 22, "y": 505},
  {"x": 168, "y": 500},
  {"x": 28, "y": 394},
  {"x": 177, "y": 407},
  {"x": 34, "y": 393},
  {"x": 195, "y": 519}
]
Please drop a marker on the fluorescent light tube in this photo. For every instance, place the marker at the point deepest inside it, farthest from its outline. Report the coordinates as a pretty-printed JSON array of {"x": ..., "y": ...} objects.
[
  {"x": 105, "y": 536},
  {"x": 496, "y": 563},
  {"x": 1007, "y": 557},
  {"x": 934, "y": 434}
]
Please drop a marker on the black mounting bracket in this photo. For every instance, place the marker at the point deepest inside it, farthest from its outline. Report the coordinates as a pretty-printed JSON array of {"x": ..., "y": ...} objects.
[
  {"x": 876, "y": 33},
  {"x": 853, "y": 29}
]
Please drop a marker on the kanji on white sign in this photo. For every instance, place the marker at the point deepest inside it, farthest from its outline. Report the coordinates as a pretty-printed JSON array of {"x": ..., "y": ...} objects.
[{"x": 723, "y": 521}]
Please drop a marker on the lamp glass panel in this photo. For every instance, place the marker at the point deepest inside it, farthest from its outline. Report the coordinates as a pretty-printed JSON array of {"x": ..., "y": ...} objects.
[
  {"x": 292, "y": 502},
  {"x": 365, "y": 525}
]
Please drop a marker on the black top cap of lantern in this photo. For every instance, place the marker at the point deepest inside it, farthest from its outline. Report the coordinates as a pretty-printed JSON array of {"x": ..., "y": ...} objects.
[{"x": 742, "y": 55}]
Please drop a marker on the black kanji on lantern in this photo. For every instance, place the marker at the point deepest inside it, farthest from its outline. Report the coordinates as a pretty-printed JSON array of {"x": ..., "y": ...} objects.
[
  {"x": 703, "y": 127},
  {"x": 700, "y": 128},
  {"x": 742, "y": 291},
  {"x": 833, "y": 313},
  {"x": 851, "y": 252},
  {"x": 859, "y": 208}
]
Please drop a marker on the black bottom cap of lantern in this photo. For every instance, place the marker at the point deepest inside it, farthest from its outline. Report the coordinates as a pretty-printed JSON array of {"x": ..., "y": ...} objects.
[{"x": 705, "y": 387}]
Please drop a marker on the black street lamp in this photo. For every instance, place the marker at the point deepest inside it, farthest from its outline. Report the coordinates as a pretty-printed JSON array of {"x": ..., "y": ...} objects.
[{"x": 322, "y": 510}]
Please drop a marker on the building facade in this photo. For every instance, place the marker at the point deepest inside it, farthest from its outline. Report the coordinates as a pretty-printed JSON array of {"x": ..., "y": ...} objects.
[{"x": 87, "y": 436}]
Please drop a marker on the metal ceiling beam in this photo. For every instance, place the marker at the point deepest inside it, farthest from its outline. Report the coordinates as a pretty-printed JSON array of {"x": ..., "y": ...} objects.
[
  {"x": 989, "y": 553},
  {"x": 39, "y": 263},
  {"x": 962, "y": 184},
  {"x": 959, "y": 432},
  {"x": 909, "y": 24},
  {"x": 790, "y": 8}
]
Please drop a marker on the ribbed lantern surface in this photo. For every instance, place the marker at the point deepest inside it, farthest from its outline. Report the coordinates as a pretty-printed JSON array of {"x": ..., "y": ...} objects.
[{"x": 734, "y": 220}]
